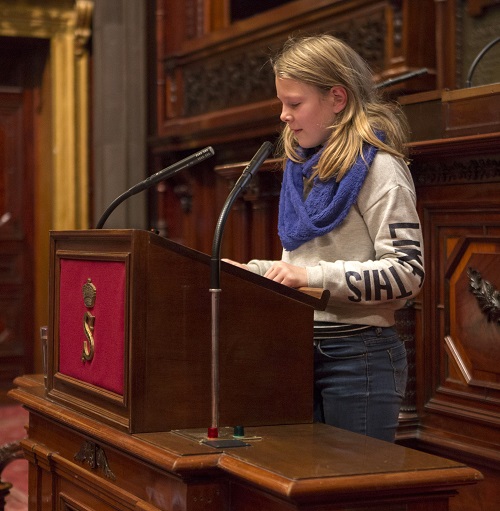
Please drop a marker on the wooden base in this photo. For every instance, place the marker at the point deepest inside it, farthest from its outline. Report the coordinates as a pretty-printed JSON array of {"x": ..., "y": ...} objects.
[{"x": 80, "y": 463}]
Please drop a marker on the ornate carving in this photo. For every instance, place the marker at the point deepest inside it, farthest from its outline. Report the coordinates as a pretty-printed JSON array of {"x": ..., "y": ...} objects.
[
  {"x": 367, "y": 37},
  {"x": 89, "y": 293},
  {"x": 397, "y": 16},
  {"x": 487, "y": 296},
  {"x": 243, "y": 77},
  {"x": 9, "y": 452},
  {"x": 83, "y": 29},
  {"x": 227, "y": 81},
  {"x": 95, "y": 457},
  {"x": 481, "y": 170},
  {"x": 405, "y": 325}
]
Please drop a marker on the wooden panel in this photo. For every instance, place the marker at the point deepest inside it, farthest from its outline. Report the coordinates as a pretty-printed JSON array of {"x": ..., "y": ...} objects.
[
  {"x": 463, "y": 29},
  {"x": 471, "y": 111},
  {"x": 16, "y": 236},
  {"x": 473, "y": 322},
  {"x": 458, "y": 400}
]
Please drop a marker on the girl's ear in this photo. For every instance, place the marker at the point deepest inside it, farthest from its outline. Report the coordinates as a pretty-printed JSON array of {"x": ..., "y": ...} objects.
[{"x": 339, "y": 96}]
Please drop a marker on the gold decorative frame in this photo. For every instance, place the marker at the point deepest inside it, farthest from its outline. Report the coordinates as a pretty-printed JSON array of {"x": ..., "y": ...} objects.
[{"x": 67, "y": 24}]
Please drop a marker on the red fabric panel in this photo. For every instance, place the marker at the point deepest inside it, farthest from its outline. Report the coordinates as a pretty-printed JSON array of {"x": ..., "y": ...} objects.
[{"x": 106, "y": 369}]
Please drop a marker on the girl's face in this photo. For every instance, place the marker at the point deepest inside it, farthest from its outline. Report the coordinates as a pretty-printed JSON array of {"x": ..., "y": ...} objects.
[{"x": 309, "y": 112}]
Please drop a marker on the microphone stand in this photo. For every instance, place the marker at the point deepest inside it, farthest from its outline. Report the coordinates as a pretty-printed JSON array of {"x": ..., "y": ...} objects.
[{"x": 243, "y": 180}]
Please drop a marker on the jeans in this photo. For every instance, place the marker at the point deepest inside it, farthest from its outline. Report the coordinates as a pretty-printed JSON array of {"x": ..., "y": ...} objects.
[{"x": 360, "y": 381}]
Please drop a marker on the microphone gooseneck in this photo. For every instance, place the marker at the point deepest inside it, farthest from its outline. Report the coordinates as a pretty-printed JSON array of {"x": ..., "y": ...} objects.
[
  {"x": 155, "y": 178},
  {"x": 480, "y": 55}
]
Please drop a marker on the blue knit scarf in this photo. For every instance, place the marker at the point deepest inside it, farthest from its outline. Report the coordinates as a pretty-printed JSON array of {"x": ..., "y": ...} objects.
[{"x": 326, "y": 206}]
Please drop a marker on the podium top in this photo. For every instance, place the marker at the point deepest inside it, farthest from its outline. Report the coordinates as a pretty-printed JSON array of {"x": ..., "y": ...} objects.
[{"x": 109, "y": 239}]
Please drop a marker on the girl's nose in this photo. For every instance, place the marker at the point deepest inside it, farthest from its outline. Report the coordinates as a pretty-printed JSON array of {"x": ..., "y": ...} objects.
[{"x": 285, "y": 116}]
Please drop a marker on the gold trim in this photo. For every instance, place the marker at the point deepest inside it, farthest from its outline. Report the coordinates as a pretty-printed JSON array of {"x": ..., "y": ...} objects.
[
  {"x": 82, "y": 141},
  {"x": 63, "y": 131},
  {"x": 83, "y": 30},
  {"x": 88, "y": 344}
]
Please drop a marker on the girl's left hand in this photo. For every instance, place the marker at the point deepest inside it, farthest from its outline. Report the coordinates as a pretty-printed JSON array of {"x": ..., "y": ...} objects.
[
  {"x": 235, "y": 263},
  {"x": 287, "y": 274}
]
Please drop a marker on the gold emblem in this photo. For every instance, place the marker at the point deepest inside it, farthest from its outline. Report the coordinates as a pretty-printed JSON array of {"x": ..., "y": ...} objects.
[{"x": 89, "y": 295}]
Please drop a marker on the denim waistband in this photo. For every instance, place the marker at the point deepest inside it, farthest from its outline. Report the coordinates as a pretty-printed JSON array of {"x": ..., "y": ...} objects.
[{"x": 332, "y": 330}]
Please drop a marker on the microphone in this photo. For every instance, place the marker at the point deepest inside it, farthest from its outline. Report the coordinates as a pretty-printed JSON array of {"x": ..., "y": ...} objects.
[
  {"x": 402, "y": 78},
  {"x": 155, "y": 178},
  {"x": 248, "y": 172}
]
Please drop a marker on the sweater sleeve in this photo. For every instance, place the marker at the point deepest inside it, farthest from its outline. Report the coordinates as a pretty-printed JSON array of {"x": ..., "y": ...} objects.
[{"x": 259, "y": 266}]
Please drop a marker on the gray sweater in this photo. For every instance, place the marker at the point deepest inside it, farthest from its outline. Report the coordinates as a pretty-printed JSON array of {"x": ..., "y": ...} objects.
[{"x": 373, "y": 262}]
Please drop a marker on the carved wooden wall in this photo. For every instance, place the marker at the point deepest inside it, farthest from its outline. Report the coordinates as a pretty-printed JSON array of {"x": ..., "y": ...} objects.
[
  {"x": 457, "y": 175},
  {"x": 211, "y": 82},
  {"x": 214, "y": 86}
]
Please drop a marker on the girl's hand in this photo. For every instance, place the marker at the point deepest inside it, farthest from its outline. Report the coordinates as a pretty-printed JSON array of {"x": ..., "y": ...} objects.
[
  {"x": 287, "y": 274},
  {"x": 234, "y": 263}
]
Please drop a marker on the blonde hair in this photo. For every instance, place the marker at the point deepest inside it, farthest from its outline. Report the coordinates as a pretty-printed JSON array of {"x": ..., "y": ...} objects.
[{"x": 324, "y": 62}]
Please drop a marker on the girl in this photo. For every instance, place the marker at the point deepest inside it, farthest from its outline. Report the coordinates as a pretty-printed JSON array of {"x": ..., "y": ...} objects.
[{"x": 348, "y": 223}]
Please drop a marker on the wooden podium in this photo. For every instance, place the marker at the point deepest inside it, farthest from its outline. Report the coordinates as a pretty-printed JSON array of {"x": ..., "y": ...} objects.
[
  {"x": 119, "y": 424},
  {"x": 138, "y": 357}
]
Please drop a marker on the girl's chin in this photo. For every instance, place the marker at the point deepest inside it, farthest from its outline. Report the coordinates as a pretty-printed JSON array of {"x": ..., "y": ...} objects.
[{"x": 308, "y": 144}]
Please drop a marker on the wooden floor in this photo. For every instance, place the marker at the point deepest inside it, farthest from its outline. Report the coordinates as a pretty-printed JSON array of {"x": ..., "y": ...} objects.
[{"x": 13, "y": 419}]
